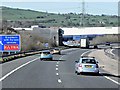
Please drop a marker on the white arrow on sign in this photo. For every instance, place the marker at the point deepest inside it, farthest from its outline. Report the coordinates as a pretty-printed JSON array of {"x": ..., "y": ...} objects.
[{"x": 1, "y": 43}]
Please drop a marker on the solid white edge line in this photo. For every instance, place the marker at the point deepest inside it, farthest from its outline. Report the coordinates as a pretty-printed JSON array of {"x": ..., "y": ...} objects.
[
  {"x": 103, "y": 75},
  {"x": 111, "y": 80},
  {"x": 8, "y": 74},
  {"x": 86, "y": 52}
]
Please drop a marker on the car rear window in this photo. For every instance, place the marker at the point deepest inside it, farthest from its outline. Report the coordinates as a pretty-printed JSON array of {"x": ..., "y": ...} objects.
[
  {"x": 46, "y": 52},
  {"x": 91, "y": 61},
  {"x": 56, "y": 49}
]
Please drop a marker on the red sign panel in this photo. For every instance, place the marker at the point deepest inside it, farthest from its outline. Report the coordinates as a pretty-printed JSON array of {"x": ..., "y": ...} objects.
[{"x": 11, "y": 47}]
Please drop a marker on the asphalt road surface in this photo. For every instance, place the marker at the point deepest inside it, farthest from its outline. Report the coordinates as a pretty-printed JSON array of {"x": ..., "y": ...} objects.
[
  {"x": 30, "y": 72},
  {"x": 116, "y": 52}
]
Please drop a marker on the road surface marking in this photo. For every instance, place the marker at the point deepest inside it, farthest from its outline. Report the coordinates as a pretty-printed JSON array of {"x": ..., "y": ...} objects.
[
  {"x": 56, "y": 65},
  {"x": 56, "y": 68},
  {"x": 111, "y": 51},
  {"x": 86, "y": 52},
  {"x": 57, "y": 62},
  {"x": 8, "y": 74},
  {"x": 57, "y": 74},
  {"x": 59, "y": 81},
  {"x": 110, "y": 79},
  {"x": 103, "y": 75}
]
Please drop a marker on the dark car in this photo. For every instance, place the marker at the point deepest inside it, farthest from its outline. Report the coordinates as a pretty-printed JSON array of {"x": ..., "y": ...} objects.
[
  {"x": 95, "y": 46},
  {"x": 107, "y": 43}
]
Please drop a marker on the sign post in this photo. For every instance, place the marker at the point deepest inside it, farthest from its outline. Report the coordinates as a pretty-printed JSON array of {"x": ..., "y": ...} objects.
[{"x": 10, "y": 43}]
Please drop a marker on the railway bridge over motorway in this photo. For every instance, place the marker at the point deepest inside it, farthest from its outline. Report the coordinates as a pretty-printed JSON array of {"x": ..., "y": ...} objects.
[
  {"x": 64, "y": 34},
  {"x": 74, "y": 34}
]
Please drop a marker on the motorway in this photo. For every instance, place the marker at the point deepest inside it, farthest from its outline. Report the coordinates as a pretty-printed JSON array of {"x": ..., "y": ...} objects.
[{"x": 30, "y": 72}]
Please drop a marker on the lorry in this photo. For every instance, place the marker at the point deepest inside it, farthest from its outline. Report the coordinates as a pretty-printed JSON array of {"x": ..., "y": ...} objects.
[{"x": 84, "y": 42}]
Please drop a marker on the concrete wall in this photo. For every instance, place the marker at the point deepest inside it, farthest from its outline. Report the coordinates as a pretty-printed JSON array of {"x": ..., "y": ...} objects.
[{"x": 91, "y": 30}]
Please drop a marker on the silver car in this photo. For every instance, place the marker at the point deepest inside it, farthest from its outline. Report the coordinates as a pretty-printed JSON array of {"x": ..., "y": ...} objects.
[
  {"x": 56, "y": 51},
  {"x": 86, "y": 64}
]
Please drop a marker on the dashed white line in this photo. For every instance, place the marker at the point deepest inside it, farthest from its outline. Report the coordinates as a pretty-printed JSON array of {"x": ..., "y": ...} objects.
[
  {"x": 8, "y": 74},
  {"x": 57, "y": 62},
  {"x": 56, "y": 65},
  {"x": 56, "y": 68},
  {"x": 59, "y": 81},
  {"x": 57, "y": 74}
]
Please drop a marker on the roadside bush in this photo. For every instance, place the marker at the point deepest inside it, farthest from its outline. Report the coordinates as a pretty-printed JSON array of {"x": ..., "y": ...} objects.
[
  {"x": 105, "y": 38},
  {"x": 30, "y": 41}
]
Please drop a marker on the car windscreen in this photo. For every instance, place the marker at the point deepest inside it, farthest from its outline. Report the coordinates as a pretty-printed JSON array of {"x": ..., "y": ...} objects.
[{"x": 90, "y": 61}]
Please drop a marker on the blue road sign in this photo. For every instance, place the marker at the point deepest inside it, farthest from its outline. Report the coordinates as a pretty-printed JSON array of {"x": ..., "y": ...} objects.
[
  {"x": 76, "y": 37},
  {"x": 10, "y": 43}
]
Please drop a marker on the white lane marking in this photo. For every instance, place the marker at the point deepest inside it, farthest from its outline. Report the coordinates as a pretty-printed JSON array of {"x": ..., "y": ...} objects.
[
  {"x": 57, "y": 62},
  {"x": 59, "y": 81},
  {"x": 111, "y": 51},
  {"x": 111, "y": 80},
  {"x": 86, "y": 52},
  {"x": 103, "y": 75},
  {"x": 56, "y": 68},
  {"x": 57, "y": 74},
  {"x": 56, "y": 65},
  {"x": 61, "y": 58},
  {"x": 8, "y": 74}
]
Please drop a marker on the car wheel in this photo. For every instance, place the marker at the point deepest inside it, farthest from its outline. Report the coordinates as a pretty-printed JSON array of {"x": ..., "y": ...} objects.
[
  {"x": 75, "y": 71},
  {"x": 78, "y": 73},
  {"x": 97, "y": 73},
  {"x": 51, "y": 59}
]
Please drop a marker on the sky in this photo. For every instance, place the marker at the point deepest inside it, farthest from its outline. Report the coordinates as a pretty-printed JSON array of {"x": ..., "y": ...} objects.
[{"x": 95, "y": 7}]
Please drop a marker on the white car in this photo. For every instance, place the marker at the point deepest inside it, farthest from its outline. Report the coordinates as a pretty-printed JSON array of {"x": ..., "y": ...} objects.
[{"x": 86, "y": 65}]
